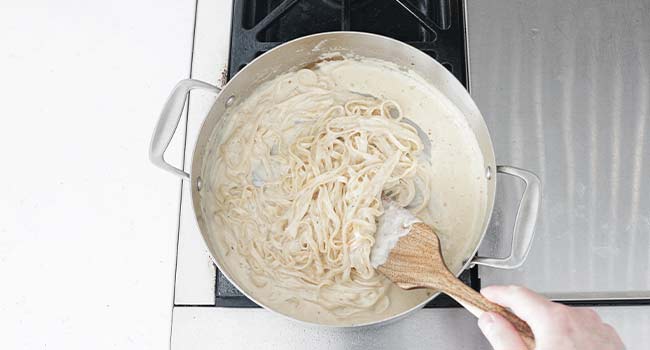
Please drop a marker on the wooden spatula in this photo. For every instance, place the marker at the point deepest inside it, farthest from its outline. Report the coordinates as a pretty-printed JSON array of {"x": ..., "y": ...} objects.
[{"x": 415, "y": 261}]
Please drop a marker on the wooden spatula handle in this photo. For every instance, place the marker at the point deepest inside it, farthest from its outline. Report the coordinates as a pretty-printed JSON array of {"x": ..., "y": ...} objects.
[
  {"x": 477, "y": 304},
  {"x": 416, "y": 262}
]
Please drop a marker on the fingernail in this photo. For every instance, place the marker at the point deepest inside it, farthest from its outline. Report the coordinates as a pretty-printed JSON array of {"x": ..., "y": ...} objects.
[{"x": 486, "y": 322}]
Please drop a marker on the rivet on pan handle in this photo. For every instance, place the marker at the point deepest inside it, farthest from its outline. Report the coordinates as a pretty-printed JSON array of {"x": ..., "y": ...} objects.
[
  {"x": 168, "y": 122},
  {"x": 524, "y": 228}
]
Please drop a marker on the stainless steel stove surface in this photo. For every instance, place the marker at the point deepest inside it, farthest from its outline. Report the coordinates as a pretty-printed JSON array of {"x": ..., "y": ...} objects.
[
  {"x": 564, "y": 87},
  {"x": 566, "y": 94}
]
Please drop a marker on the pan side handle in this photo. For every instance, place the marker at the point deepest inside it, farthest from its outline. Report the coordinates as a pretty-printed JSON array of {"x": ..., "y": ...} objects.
[
  {"x": 168, "y": 122},
  {"x": 524, "y": 228}
]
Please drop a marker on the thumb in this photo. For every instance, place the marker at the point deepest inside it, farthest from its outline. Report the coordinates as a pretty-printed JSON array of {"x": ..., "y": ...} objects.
[{"x": 499, "y": 332}]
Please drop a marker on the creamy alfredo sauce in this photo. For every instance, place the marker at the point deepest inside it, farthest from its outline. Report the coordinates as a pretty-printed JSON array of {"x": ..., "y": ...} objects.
[{"x": 456, "y": 186}]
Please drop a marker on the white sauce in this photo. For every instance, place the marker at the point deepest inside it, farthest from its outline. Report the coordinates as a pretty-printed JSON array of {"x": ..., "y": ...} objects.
[
  {"x": 458, "y": 186},
  {"x": 393, "y": 225}
]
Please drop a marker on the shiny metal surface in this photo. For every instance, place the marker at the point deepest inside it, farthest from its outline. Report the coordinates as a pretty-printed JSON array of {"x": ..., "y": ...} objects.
[
  {"x": 524, "y": 226},
  {"x": 565, "y": 89},
  {"x": 168, "y": 121}
]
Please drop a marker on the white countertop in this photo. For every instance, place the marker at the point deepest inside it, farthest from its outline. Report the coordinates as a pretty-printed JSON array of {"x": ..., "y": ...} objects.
[{"x": 88, "y": 226}]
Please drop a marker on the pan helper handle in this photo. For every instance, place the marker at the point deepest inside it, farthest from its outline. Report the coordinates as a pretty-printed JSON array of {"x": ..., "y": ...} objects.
[
  {"x": 524, "y": 228},
  {"x": 168, "y": 122}
]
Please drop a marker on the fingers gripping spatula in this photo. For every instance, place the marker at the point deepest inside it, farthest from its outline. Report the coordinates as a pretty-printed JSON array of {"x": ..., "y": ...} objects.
[{"x": 408, "y": 252}]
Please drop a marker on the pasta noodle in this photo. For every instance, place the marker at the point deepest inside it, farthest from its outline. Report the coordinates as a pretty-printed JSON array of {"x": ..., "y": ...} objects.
[{"x": 297, "y": 186}]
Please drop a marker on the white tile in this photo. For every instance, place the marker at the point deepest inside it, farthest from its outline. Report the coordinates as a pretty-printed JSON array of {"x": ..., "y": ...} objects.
[
  {"x": 222, "y": 328},
  {"x": 209, "y": 327}
]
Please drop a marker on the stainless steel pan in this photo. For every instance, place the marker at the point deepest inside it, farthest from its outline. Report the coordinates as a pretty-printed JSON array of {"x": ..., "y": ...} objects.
[{"x": 307, "y": 50}]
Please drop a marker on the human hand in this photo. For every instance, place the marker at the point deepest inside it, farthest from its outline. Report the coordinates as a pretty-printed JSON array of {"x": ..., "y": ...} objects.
[{"x": 554, "y": 325}]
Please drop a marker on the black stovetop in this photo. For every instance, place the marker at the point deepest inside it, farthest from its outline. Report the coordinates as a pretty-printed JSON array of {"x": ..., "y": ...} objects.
[{"x": 436, "y": 27}]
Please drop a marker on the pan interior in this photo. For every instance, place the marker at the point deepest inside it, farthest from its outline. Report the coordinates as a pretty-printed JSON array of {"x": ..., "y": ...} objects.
[{"x": 460, "y": 191}]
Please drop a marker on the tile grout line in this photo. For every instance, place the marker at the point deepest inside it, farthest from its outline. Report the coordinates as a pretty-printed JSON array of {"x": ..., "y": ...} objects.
[{"x": 180, "y": 202}]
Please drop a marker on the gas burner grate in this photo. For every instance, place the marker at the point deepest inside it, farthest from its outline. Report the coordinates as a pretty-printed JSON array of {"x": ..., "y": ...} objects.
[{"x": 435, "y": 27}]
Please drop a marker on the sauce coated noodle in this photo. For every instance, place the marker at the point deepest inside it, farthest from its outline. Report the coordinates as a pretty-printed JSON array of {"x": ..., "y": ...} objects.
[{"x": 297, "y": 187}]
